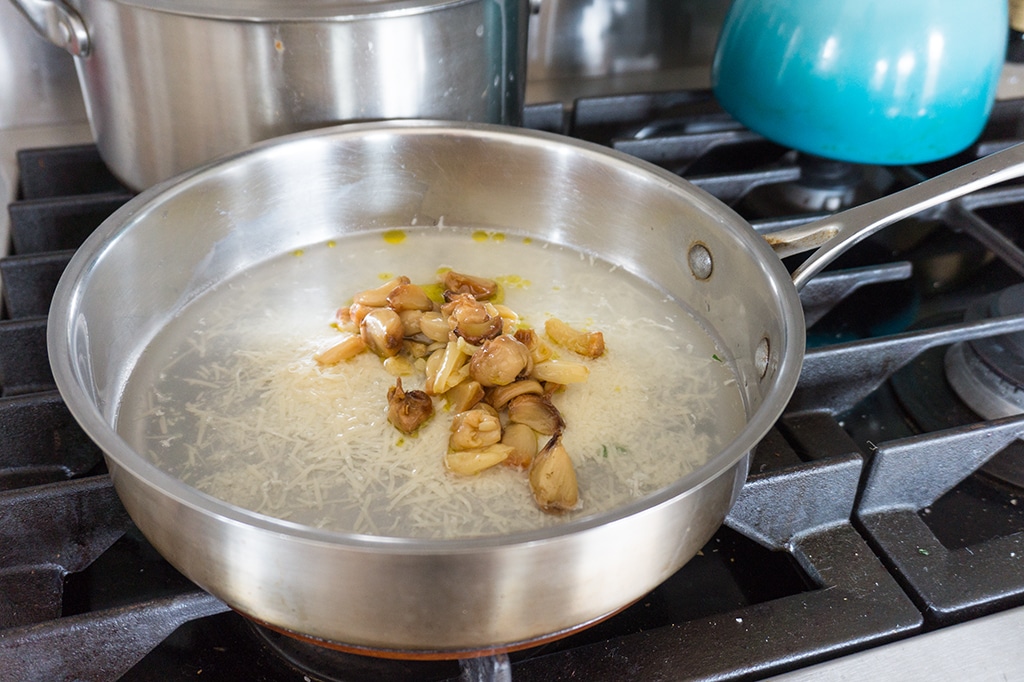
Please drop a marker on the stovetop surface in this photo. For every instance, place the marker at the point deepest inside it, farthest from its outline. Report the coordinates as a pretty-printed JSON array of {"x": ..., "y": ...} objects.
[{"x": 866, "y": 527}]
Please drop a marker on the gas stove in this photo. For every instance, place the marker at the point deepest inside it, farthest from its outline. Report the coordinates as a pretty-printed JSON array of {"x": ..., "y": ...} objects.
[{"x": 880, "y": 532}]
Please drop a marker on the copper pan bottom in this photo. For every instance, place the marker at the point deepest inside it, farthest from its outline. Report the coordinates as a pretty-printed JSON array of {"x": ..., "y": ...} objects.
[{"x": 427, "y": 654}]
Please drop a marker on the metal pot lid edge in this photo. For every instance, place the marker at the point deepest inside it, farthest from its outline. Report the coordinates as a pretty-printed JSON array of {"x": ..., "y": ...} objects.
[{"x": 258, "y": 11}]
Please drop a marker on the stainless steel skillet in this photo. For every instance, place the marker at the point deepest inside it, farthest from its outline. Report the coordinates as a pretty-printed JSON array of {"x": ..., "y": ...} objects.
[{"x": 400, "y": 596}]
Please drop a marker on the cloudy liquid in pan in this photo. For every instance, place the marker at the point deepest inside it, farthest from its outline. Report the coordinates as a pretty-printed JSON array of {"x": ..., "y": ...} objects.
[{"x": 229, "y": 399}]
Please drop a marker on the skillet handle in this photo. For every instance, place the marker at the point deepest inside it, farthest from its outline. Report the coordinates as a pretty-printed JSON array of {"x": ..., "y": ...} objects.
[
  {"x": 837, "y": 233},
  {"x": 57, "y": 22}
]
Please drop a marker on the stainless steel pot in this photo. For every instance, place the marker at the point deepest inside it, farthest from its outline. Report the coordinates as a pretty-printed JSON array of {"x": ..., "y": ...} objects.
[
  {"x": 37, "y": 81},
  {"x": 595, "y": 38},
  {"x": 867, "y": 82},
  {"x": 170, "y": 84},
  {"x": 176, "y": 240}
]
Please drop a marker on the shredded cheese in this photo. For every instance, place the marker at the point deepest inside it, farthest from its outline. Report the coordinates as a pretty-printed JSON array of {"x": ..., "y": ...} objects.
[{"x": 231, "y": 400}]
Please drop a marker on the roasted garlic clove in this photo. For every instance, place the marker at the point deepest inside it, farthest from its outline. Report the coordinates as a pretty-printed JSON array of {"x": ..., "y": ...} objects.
[
  {"x": 537, "y": 412},
  {"x": 408, "y": 410},
  {"x": 500, "y": 361},
  {"x": 499, "y": 396},
  {"x": 356, "y": 313},
  {"x": 464, "y": 396},
  {"x": 434, "y": 326},
  {"x": 551, "y": 388},
  {"x": 378, "y": 297},
  {"x": 469, "y": 462},
  {"x": 486, "y": 408},
  {"x": 553, "y": 479},
  {"x": 382, "y": 332},
  {"x": 446, "y": 367},
  {"x": 474, "y": 429},
  {"x": 523, "y": 441},
  {"x": 409, "y": 297},
  {"x": 479, "y": 288},
  {"x": 346, "y": 349},
  {"x": 471, "y": 320},
  {"x": 587, "y": 344},
  {"x": 415, "y": 349},
  {"x": 560, "y": 372},
  {"x": 343, "y": 320},
  {"x": 398, "y": 366},
  {"x": 510, "y": 321},
  {"x": 410, "y": 321},
  {"x": 540, "y": 351}
]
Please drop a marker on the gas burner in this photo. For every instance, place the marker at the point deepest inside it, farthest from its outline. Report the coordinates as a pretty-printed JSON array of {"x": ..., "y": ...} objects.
[
  {"x": 820, "y": 185},
  {"x": 824, "y": 184},
  {"x": 931, "y": 405},
  {"x": 988, "y": 373},
  {"x": 931, "y": 402},
  {"x": 326, "y": 664}
]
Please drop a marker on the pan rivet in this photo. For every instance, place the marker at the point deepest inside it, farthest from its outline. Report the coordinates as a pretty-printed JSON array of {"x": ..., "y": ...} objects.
[
  {"x": 761, "y": 355},
  {"x": 700, "y": 261}
]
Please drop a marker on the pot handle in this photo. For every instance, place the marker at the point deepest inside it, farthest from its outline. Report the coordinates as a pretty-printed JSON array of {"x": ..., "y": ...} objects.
[
  {"x": 836, "y": 233},
  {"x": 58, "y": 23}
]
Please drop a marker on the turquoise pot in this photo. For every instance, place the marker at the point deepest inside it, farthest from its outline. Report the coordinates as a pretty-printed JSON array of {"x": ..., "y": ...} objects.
[{"x": 882, "y": 82}]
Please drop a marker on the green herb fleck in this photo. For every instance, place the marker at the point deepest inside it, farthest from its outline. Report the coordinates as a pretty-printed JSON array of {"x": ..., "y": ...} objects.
[
  {"x": 714, "y": 356},
  {"x": 922, "y": 550},
  {"x": 618, "y": 450}
]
